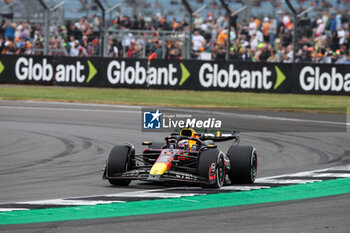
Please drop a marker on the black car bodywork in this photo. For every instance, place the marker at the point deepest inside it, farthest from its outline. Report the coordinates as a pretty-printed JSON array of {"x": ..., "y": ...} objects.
[{"x": 201, "y": 163}]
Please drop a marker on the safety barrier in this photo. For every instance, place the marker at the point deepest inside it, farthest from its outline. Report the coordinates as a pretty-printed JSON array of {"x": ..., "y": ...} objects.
[{"x": 176, "y": 74}]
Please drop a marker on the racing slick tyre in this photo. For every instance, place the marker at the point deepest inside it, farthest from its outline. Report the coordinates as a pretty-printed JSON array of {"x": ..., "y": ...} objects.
[
  {"x": 211, "y": 165},
  {"x": 119, "y": 160},
  {"x": 244, "y": 164}
]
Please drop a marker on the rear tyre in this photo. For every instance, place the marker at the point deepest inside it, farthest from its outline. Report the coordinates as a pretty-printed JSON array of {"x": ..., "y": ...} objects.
[
  {"x": 244, "y": 164},
  {"x": 119, "y": 161},
  {"x": 211, "y": 165}
]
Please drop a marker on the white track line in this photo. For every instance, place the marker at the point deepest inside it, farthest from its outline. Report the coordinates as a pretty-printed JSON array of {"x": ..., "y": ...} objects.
[
  {"x": 166, "y": 193},
  {"x": 287, "y": 181},
  {"x": 67, "y": 202},
  {"x": 244, "y": 188},
  {"x": 264, "y": 117},
  {"x": 340, "y": 175},
  {"x": 155, "y": 193},
  {"x": 239, "y": 115},
  {"x": 11, "y": 209},
  {"x": 68, "y": 109},
  {"x": 73, "y": 104}
]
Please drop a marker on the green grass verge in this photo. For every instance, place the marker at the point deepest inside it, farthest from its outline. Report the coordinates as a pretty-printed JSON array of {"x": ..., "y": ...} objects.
[{"x": 206, "y": 99}]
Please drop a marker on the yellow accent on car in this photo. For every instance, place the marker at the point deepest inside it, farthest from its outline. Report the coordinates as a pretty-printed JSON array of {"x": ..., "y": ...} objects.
[
  {"x": 184, "y": 132},
  {"x": 191, "y": 143},
  {"x": 158, "y": 169},
  {"x": 218, "y": 133}
]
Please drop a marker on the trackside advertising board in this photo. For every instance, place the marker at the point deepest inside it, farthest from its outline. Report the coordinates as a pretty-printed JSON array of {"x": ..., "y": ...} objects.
[{"x": 177, "y": 74}]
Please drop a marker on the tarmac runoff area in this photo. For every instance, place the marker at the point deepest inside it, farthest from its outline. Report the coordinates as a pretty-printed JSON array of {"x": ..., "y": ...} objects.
[{"x": 55, "y": 151}]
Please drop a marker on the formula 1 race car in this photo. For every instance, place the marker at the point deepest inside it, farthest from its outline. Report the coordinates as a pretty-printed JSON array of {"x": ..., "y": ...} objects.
[{"x": 186, "y": 156}]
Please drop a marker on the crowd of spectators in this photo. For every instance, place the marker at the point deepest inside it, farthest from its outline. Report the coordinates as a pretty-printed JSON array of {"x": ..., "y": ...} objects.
[
  {"x": 324, "y": 39},
  {"x": 81, "y": 38}
]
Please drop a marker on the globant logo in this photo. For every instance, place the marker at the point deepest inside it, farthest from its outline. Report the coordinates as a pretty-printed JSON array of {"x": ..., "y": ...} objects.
[
  {"x": 167, "y": 120},
  {"x": 312, "y": 79},
  {"x": 42, "y": 69},
  {"x": 211, "y": 76},
  {"x": 120, "y": 72}
]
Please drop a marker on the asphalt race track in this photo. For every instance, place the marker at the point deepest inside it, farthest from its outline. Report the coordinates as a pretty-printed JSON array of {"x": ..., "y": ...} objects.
[{"x": 56, "y": 150}]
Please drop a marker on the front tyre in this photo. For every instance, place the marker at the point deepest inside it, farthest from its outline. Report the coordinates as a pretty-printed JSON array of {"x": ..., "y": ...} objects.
[
  {"x": 119, "y": 161},
  {"x": 211, "y": 165},
  {"x": 244, "y": 164}
]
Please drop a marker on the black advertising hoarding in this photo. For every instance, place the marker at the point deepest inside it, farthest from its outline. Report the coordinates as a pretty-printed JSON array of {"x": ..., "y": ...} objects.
[
  {"x": 196, "y": 75},
  {"x": 63, "y": 71},
  {"x": 177, "y": 74},
  {"x": 322, "y": 79},
  {"x": 26, "y": 69}
]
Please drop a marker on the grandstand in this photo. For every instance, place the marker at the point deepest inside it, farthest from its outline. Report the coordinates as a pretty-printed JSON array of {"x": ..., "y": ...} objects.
[
  {"x": 108, "y": 35},
  {"x": 75, "y": 9}
]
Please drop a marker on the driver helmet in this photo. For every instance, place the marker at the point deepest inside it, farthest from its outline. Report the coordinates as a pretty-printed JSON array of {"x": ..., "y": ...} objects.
[{"x": 184, "y": 145}]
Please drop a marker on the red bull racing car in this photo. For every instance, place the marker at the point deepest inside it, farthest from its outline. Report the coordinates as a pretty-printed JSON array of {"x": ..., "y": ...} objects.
[{"x": 185, "y": 156}]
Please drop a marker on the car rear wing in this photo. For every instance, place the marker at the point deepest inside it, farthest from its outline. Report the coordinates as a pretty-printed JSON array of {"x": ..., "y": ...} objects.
[
  {"x": 214, "y": 135},
  {"x": 219, "y": 135}
]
